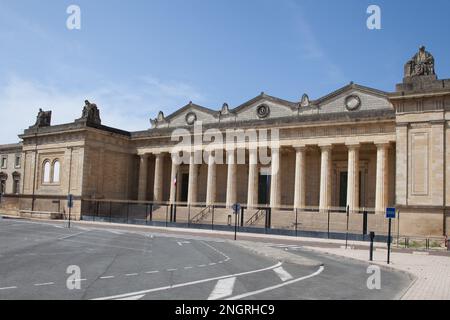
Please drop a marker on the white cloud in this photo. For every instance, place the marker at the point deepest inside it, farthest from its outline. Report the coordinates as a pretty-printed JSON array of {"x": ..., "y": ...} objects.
[{"x": 127, "y": 106}]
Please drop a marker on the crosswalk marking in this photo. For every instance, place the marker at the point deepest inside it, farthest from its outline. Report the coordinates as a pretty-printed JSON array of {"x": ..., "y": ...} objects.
[
  {"x": 223, "y": 288},
  {"x": 283, "y": 274},
  {"x": 133, "y": 297}
]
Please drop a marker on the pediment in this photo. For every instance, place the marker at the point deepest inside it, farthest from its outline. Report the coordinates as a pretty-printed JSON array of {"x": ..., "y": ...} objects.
[
  {"x": 265, "y": 107},
  {"x": 353, "y": 98}
]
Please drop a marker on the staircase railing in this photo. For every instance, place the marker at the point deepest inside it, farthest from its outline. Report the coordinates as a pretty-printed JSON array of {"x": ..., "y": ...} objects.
[
  {"x": 256, "y": 217},
  {"x": 201, "y": 215}
]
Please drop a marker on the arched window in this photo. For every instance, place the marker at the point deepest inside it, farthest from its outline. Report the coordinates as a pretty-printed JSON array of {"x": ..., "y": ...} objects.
[
  {"x": 56, "y": 171},
  {"x": 46, "y": 172}
]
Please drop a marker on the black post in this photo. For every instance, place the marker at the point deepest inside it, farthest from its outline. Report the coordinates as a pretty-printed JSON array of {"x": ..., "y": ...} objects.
[
  {"x": 212, "y": 218},
  {"x": 364, "y": 222},
  {"x": 151, "y": 212},
  {"x": 389, "y": 242},
  {"x": 70, "y": 210},
  {"x": 167, "y": 209},
  {"x": 146, "y": 214},
  {"x": 110, "y": 211},
  {"x": 296, "y": 221},
  {"x": 128, "y": 212},
  {"x": 175, "y": 212},
  {"x": 346, "y": 233},
  {"x": 235, "y": 223},
  {"x": 269, "y": 224},
  {"x": 372, "y": 237},
  {"x": 328, "y": 219},
  {"x": 189, "y": 215},
  {"x": 242, "y": 216}
]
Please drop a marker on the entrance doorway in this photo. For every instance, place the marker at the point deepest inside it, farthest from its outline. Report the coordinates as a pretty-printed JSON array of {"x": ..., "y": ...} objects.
[
  {"x": 343, "y": 181},
  {"x": 264, "y": 189},
  {"x": 184, "y": 187}
]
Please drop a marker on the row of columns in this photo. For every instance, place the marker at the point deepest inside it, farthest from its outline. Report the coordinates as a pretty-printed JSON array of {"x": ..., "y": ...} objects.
[{"x": 381, "y": 198}]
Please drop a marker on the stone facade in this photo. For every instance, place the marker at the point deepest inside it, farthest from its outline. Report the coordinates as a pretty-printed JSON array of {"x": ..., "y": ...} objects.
[{"x": 357, "y": 147}]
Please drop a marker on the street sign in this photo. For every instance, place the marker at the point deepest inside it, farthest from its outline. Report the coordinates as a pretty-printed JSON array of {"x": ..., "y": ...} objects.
[
  {"x": 70, "y": 201},
  {"x": 390, "y": 213},
  {"x": 236, "y": 208}
]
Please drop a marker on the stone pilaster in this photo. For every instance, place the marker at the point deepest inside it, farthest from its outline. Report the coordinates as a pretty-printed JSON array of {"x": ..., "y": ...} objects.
[
  {"x": 212, "y": 180},
  {"x": 193, "y": 177},
  {"x": 381, "y": 193},
  {"x": 143, "y": 175},
  {"x": 158, "y": 183},
  {"x": 325, "y": 178},
  {"x": 252, "y": 194},
  {"x": 353, "y": 177},
  {"x": 231, "y": 179},
  {"x": 173, "y": 177},
  {"x": 275, "y": 187},
  {"x": 300, "y": 178}
]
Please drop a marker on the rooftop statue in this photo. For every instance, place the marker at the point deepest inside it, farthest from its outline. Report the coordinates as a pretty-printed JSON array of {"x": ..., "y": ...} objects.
[
  {"x": 43, "y": 119},
  {"x": 422, "y": 64},
  {"x": 91, "y": 113}
]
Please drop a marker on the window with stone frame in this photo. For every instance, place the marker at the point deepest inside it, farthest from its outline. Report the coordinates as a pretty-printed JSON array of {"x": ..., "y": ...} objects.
[
  {"x": 56, "y": 171},
  {"x": 17, "y": 161},
  {"x": 16, "y": 183},
  {"x": 4, "y": 162},
  {"x": 46, "y": 171},
  {"x": 3, "y": 178}
]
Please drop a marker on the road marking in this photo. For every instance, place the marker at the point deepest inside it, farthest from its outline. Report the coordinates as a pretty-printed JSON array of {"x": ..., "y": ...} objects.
[
  {"x": 71, "y": 235},
  {"x": 107, "y": 277},
  {"x": 151, "y": 272},
  {"x": 223, "y": 288},
  {"x": 172, "y": 270},
  {"x": 131, "y": 274},
  {"x": 201, "y": 265},
  {"x": 283, "y": 274},
  {"x": 124, "y": 295},
  {"x": 133, "y": 297},
  {"x": 421, "y": 253},
  {"x": 180, "y": 243},
  {"x": 212, "y": 264},
  {"x": 188, "y": 267},
  {"x": 44, "y": 284},
  {"x": 8, "y": 288},
  {"x": 115, "y": 232},
  {"x": 248, "y": 294}
]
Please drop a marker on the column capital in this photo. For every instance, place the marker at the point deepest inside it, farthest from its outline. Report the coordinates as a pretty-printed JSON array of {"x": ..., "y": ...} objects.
[
  {"x": 383, "y": 145},
  {"x": 144, "y": 156},
  {"x": 353, "y": 146},
  {"x": 299, "y": 147},
  {"x": 325, "y": 147}
]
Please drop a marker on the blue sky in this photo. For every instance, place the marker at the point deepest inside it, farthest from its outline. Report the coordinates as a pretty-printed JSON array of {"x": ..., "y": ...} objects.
[{"x": 134, "y": 58}]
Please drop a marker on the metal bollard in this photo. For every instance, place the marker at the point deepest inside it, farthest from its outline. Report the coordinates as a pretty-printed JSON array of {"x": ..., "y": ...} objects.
[{"x": 372, "y": 237}]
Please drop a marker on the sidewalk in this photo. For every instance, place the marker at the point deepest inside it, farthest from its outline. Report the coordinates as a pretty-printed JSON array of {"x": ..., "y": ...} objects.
[{"x": 432, "y": 272}]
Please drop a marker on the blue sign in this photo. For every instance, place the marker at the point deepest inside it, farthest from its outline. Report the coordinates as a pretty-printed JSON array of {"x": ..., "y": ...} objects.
[
  {"x": 390, "y": 213},
  {"x": 236, "y": 207},
  {"x": 70, "y": 201}
]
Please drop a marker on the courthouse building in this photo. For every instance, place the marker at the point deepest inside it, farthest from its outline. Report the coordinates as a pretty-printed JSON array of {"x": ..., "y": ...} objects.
[{"x": 357, "y": 146}]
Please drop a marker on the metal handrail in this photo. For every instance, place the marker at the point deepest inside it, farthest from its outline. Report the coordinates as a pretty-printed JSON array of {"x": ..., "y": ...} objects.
[
  {"x": 256, "y": 217},
  {"x": 201, "y": 215}
]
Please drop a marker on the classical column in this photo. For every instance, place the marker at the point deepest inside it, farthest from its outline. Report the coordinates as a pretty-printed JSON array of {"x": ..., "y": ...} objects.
[
  {"x": 231, "y": 179},
  {"x": 143, "y": 173},
  {"x": 300, "y": 178},
  {"x": 174, "y": 178},
  {"x": 252, "y": 194},
  {"x": 325, "y": 178},
  {"x": 193, "y": 175},
  {"x": 381, "y": 194},
  {"x": 211, "y": 181},
  {"x": 158, "y": 183},
  {"x": 275, "y": 187},
  {"x": 353, "y": 177}
]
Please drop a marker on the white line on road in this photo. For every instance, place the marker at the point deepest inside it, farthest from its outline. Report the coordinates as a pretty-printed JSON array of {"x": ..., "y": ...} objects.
[
  {"x": 133, "y": 297},
  {"x": 212, "y": 264},
  {"x": 8, "y": 288},
  {"x": 223, "y": 288},
  {"x": 201, "y": 265},
  {"x": 107, "y": 277},
  {"x": 180, "y": 243},
  {"x": 248, "y": 294},
  {"x": 114, "y": 231},
  {"x": 189, "y": 267},
  {"x": 44, "y": 284},
  {"x": 172, "y": 270},
  {"x": 283, "y": 274},
  {"x": 151, "y": 272},
  {"x": 71, "y": 235},
  {"x": 187, "y": 283},
  {"x": 131, "y": 274}
]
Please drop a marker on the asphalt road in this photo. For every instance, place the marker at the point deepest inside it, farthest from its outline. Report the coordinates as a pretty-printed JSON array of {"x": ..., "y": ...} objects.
[{"x": 40, "y": 260}]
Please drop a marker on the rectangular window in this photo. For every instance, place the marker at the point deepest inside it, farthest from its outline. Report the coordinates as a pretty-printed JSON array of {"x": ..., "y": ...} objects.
[
  {"x": 16, "y": 186},
  {"x": 17, "y": 161},
  {"x": 4, "y": 162}
]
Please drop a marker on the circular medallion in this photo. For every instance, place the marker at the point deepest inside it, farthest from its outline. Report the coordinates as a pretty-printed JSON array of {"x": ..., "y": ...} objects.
[
  {"x": 191, "y": 117},
  {"x": 352, "y": 102},
  {"x": 263, "y": 111}
]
